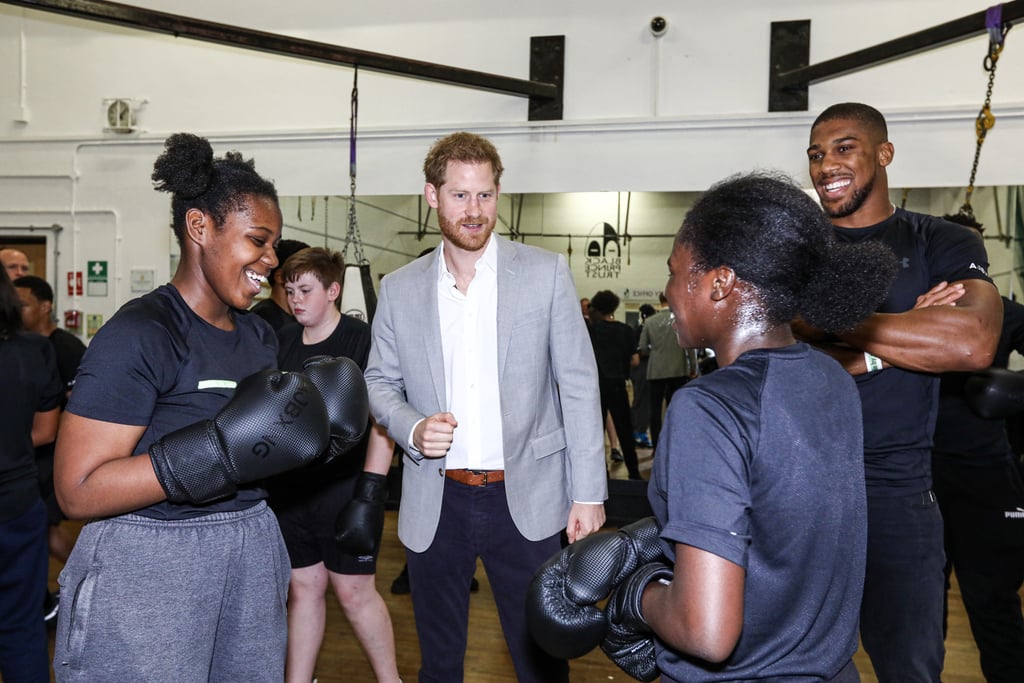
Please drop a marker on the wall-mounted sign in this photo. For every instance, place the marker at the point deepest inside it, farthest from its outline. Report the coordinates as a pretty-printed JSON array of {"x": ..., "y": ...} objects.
[
  {"x": 604, "y": 253},
  {"x": 640, "y": 294},
  {"x": 96, "y": 276},
  {"x": 74, "y": 283},
  {"x": 142, "y": 279},
  {"x": 93, "y": 322}
]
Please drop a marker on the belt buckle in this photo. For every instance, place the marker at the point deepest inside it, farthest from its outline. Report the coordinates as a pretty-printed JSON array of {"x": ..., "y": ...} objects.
[{"x": 480, "y": 473}]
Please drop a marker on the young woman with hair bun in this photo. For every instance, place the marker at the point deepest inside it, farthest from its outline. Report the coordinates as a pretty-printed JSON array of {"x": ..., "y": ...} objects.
[{"x": 182, "y": 573}]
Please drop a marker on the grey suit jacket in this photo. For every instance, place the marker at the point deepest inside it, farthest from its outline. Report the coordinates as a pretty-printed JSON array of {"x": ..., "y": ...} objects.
[
  {"x": 667, "y": 359},
  {"x": 550, "y": 404}
]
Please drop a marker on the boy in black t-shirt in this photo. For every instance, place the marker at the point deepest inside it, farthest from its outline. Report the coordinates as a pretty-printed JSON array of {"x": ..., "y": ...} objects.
[{"x": 310, "y": 501}]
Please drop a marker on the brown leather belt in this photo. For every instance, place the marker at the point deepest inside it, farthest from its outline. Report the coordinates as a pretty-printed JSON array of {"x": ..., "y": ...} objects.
[{"x": 476, "y": 477}]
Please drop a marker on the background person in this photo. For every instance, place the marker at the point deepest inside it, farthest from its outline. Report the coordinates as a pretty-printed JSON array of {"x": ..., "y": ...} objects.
[
  {"x": 641, "y": 406},
  {"x": 615, "y": 352},
  {"x": 30, "y": 406},
  {"x": 895, "y": 356},
  {"x": 978, "y": 483},
  {"x": 15, "y": 262},
  {"x": 669, "y": 367},
  {"x": 37, "y": 316},
  {"x": 307, "y": 501},
  {"x": 977, "y": 480},
  {"x": 464, "y": 371}
]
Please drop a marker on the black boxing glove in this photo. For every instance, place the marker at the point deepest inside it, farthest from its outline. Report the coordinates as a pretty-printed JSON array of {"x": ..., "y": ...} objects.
[
  {"x": 561, "y": 605},
  {"x": 343, "y": 389},
  {"x": 629, "y": 641},
  {"x": 275, "y": 422},
  {"x": 360, "y": 524},
  {"x": 995, "y": 392}
]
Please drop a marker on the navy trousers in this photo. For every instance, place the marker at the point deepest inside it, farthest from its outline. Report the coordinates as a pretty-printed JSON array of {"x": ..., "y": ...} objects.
[
  {"x": 475, "y": 522},
  {"x": 23, "y": 569},
  {"x": 615, "y": 402},
  {"x": 901, "y": 612}
]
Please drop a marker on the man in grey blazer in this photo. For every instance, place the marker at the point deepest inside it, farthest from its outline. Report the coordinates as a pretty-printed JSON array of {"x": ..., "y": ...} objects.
[{"x": 481, "y": 369}]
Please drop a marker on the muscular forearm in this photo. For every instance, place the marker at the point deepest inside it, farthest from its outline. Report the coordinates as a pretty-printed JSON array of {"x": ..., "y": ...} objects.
[
  {"x": 851, "y": 359},
  {"x": 937, "y": 339}
]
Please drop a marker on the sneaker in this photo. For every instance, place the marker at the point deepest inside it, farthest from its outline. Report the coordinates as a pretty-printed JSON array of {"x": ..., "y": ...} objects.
[
  {"x": 400, "y": 586},
  {"x": 642, "y": 440},
  {"x": 616, "y": 455},
  {"x": 51, "y": 605}
]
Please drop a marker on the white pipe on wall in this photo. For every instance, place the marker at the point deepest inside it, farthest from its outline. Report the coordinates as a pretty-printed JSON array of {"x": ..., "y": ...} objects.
[{"x": 24, "y": 115}]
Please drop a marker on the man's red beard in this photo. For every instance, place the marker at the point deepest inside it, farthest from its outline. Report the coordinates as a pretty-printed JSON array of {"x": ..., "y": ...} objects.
[{"x": 452, "y": 231}]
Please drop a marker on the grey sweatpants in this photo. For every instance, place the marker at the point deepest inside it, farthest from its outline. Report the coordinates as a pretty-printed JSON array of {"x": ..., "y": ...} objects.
[{"x": 192, "y": 600}]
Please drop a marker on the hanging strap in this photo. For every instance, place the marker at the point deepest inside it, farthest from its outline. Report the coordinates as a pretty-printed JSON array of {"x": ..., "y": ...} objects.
[
  {"x": 986, "y": 119},
  {"x": 352, "y": 238}
]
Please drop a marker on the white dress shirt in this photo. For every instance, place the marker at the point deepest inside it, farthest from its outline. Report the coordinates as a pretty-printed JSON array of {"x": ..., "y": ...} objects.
[{"x": 469, "y": 341}]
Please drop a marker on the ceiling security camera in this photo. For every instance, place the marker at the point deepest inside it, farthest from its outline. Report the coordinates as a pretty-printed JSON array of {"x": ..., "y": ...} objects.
[{"x": 659, "y": 25}]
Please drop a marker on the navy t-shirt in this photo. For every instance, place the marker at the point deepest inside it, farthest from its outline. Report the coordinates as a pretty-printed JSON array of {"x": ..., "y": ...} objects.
[
  {"x": 761, "y": 463},
  {"x": 959, "y": 432},
  {"x": 31, "y": 384},
  {"x": 900, "y": 406},
  {"x": 157, "y": 364}
]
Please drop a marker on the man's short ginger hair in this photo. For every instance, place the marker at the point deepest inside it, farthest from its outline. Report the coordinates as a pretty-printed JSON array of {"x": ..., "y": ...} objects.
[
  {"x": 466, "y": 147},
  {"x": 325, "y": 265}
]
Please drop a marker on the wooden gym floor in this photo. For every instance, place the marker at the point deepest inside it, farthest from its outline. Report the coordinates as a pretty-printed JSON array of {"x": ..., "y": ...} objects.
[{"x": 487, "y": 661}]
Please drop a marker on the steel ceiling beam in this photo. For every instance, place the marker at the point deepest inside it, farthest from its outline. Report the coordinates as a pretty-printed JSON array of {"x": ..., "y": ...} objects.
[
  {"x": 794, "y": 80},
  {"x": 542, "y": 94}
]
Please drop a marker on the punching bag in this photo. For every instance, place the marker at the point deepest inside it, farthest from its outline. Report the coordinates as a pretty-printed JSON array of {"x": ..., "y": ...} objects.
[{"x": 358, "y": 297}]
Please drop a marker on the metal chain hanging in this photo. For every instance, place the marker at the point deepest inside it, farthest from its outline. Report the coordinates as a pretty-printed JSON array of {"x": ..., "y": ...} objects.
[
  {"x": 327, "y": 222},
  {"x": 352, "y": 238},
  {"x": 986, "y": 120}
]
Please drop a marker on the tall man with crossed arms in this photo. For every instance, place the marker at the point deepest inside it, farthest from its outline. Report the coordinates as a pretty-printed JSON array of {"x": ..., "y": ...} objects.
[{"x": 942, "y": 313}]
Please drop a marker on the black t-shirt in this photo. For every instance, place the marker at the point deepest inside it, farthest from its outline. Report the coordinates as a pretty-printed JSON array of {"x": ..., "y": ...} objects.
[
  {"x": 959, "y": 432},
  {"x": 900, "y": 406},
  {"x": 614, "y": 345},
  {"x": 157, "y": 364},
  {"x": 351, "y": 339},
  {"x": 273, "y": 314},
  {"x": 70, "y": 350},
  {"x": 31, "y": 384}
]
